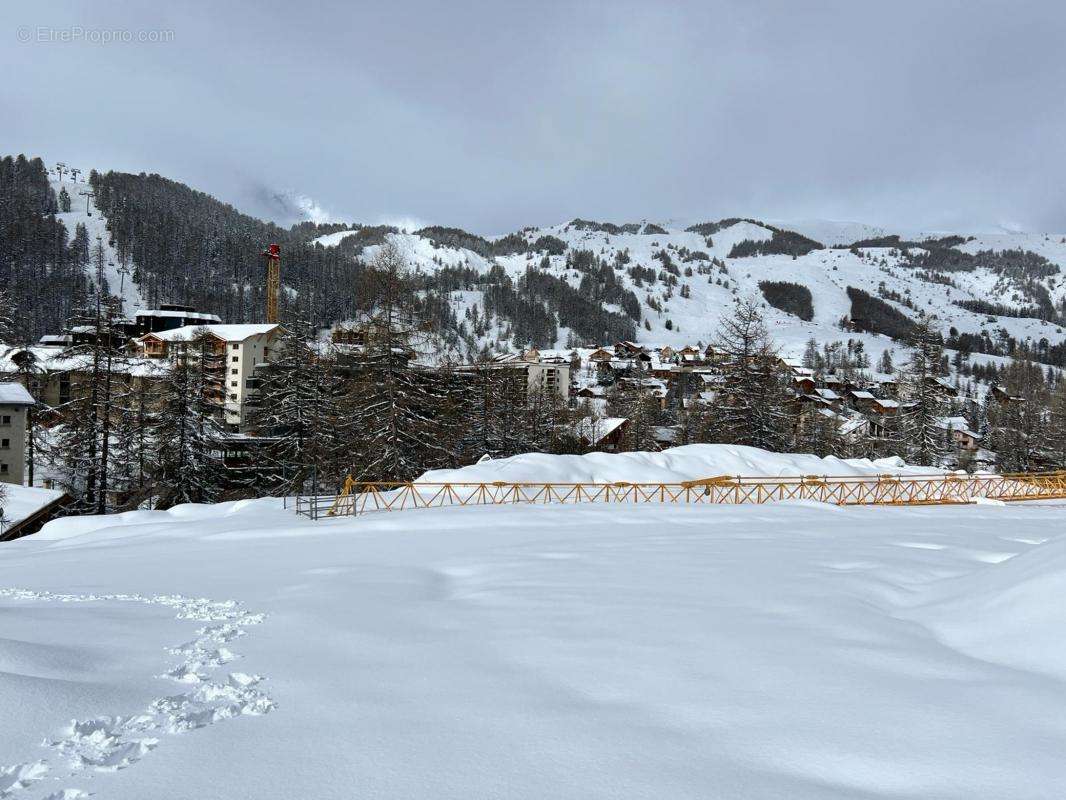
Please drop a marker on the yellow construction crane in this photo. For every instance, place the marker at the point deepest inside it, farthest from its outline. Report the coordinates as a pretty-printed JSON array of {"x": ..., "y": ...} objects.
[{"x": 273, "y": 281}]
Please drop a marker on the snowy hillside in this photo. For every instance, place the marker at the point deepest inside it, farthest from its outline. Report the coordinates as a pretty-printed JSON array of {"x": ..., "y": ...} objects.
[
  {"x": 712, "y": 279},
  {"x": 83, "y": 211},
  {"x": 791, "y": 650}
]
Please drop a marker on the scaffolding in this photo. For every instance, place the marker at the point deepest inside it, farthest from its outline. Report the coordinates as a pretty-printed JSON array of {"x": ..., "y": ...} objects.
[{"x": 361, "y": 497}]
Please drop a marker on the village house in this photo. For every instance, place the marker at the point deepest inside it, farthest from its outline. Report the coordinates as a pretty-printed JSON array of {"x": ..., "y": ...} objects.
[
  {"x": 601, "y": 433},
  {"x": 15, "y": 403},
  {"x": 961, "y": 436}
]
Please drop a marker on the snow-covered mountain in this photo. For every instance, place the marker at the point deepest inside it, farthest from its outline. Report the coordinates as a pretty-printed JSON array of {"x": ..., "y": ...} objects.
[
  {"x": 711, "y": 275},
  {"x": 575, "y": 283}
]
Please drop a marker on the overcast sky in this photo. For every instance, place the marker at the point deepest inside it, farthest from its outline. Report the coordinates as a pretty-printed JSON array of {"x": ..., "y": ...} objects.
[{"x": 495, "y": 115}]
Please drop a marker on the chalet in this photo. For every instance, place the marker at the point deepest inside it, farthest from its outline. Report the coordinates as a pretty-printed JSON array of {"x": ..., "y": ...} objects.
[
  {"x": 831, "y": 397},
  {"x": 661, "y": 369},
  {"x": 667, "y": 353},
  {"x": 889, "y": 386},
  {"x": 591, "y": 393},
  {"x": 1003, "y": 397},
  {"x": 804, "y": 384},
  {"x": 628, "y": 349},
  {"x": 943, "y": 388},
  {"x": 654, "y": 387},
  {"x": 238, "y": 347},
  {"x": 885, "y": 407},
  {"x": 15, "y": 403},
  {"x": 859, "y": 399},
  {"x": 962, "y": 437},
  {"x": 600, "y": 354},
  {"x": 604, "y": 433}
]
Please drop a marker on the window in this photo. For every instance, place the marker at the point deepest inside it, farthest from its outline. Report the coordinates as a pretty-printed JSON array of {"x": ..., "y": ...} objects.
[
  {"x": 5, "y": 444},
  {"x": 235, "y": 346},
  {"x": 5, "y": 420},
  {"x": 234, "y": 359},
  {"x": 233, "y": 383},
  {"x": 266, "y": 353},
  {"x": 233, "y": 372},
  {"x": 3, "y": 469},
  {"x": 233, "y": 397}
]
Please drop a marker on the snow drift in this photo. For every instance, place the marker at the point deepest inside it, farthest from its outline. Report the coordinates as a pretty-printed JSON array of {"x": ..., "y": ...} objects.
[
  {"x": 686, "y": 463},
  {"x": 1008, "y": 612}
]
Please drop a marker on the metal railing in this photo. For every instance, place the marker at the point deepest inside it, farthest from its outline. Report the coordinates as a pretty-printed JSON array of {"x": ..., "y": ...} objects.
[{"x": 358, "y": 497}]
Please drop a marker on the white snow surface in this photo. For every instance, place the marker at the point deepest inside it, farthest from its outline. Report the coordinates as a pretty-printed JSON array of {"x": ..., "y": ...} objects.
[
  {"x": 587, "y": 651},
  {"x": 673, "y": 465}
]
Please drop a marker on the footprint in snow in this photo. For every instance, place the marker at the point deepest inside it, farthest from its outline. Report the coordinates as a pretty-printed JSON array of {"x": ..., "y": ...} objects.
[{"x": 112, "y": 743}]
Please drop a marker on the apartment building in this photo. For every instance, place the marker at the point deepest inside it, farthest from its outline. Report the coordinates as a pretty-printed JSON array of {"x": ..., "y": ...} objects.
[{"x": 238, "y": 347}]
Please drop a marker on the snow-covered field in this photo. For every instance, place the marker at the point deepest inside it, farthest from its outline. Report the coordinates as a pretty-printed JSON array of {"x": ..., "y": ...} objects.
[{"x": 787, "y": 651}]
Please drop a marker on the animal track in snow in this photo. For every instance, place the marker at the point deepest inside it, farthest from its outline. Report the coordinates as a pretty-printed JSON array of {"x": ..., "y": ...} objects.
[{"x": 111, "y": 743}]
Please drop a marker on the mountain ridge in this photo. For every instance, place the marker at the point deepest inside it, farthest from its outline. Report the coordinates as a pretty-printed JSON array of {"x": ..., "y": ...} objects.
[{"x": 584, "y": 281}]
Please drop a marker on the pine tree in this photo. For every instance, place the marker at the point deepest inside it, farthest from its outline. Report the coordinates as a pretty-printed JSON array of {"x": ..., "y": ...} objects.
[
  {"x": 884, "y": 364},
  {"x": 750, "y": 407},
  {"x": 1018, "y": 428},
  {"x": 1056, "y": 429},
  {"x": 135, "y": 408},
  {"x": 186, "y": 466},
  {"x": 297, "y": 409},
  {"x": 923, "y": 407},
  {"x": 81, "y": 446},
  {"x": 810, "y": 354},
  {"x": 393, "y": 405}
]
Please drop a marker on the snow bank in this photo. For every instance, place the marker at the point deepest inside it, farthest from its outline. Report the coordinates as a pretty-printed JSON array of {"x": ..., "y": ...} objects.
[
  {"x": 689, "y": 462},
  {"x": 120, "y": 525}
]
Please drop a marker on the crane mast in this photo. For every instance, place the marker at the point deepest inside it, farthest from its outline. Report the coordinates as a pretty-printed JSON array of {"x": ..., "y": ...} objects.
[{"x": 273, "y": 281}]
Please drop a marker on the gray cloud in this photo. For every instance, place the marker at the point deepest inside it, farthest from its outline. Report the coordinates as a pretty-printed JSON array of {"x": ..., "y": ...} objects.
[{"x": 492, "y": 115}]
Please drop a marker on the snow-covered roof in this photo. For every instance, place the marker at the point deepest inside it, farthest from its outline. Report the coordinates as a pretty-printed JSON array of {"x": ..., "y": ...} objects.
[
  {"x": 158, "y": 312},
  {"x": 959, "y": 424},
  {"x": 595, "y": 429},
  {"x": 15, "y": 394},
  {"x": 21, "y": 502},
  {"x": 829, "y": 394},
  {"x": 229, "y": 333},
  {"x": 860, "y": 394}
]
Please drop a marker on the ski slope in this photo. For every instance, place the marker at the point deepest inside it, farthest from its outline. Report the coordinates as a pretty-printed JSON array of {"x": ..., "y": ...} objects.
[
  {"x": 790, "y": 650},
  {"x": 95, "y": 224}
]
